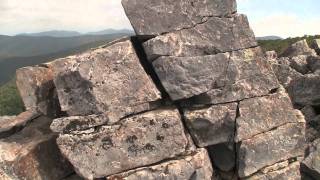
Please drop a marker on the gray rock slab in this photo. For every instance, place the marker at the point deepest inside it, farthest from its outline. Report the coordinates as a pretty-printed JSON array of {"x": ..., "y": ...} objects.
[
  {"x": 212, "y": 125},
  {"x": 214, "y": 36},
  {"x": 300, "y": 64},
  {"x": 262, "y": 114},
  {"x": 314, "y": 64},
  {"x": 134, "y": 142},
  {"x": 107, "y": 80},
  {"x": 316, "y": 45},
  {"x": 155, "y": 17},
  {"x": 285, "y": 74},
  {"x": 196, "y": 166},
  {"x": 266, "y": 149},
  {"x": 299, "y": 48},
  {"x": 311, "y": 164}
]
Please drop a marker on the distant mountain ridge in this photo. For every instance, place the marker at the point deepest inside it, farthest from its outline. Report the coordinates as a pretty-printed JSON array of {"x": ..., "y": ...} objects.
[
  {"x": 61, "y": 33},
  {"x": 269, "y": 38}
]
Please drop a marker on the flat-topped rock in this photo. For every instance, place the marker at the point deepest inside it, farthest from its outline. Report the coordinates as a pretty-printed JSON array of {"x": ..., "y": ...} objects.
[
  {"x": 134, "y": 142},
  {"x": 32, "y": 153},
  {"x": 214, "y": 36},
  {"x": 107, "y": 80},
  {"x": 213, "y": 125},
  {"x": 266, "y": 149},
  {"x": 155, "y": 17},
  {"x": 262, "y": 114},
  {"x": 299, "y": 48},
  {"x": 196, "y": 166}
]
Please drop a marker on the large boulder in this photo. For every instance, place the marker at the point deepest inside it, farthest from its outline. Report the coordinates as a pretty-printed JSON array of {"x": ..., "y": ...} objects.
[
  {"x": 134, "y": 142},
  {"x": 214, "y": 36},
  {"x": 212, "y": 125},
  {"x": 109, "y": 80},
  {"x": 196, "y": 167},
  {"x": 266, "y": 149},
  {"x": 155, "y": 17},
  {"x": 299, "y": 48},
  {"x": 33, "y": 154}
]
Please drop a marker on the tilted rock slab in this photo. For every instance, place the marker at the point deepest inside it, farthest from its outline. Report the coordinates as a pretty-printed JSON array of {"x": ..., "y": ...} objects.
[
  {"x": 299, "y": 48},
  {"x": 213, "y": 125},
  {"x": 107, "y": 80},
  {"x": 33, "y": 154},
  {"x": 155, "y": 17},
  {"x": 266, "y": 149},
  {"x": 134, "y": 142},
  {"x": 214, "y": 36},
  {"x": 196, "y": 166}
]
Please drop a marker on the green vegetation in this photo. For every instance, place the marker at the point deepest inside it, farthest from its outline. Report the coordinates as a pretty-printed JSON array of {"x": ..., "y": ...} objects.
[
  {"x": 281, "y": 45},
  {"x": 10, "y": 101}
]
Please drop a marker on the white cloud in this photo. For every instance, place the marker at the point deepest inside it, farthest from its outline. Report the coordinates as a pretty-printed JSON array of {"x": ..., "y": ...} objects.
[
  {"x": 286, "y": 25},
  {"x": 18, "y": 16}
]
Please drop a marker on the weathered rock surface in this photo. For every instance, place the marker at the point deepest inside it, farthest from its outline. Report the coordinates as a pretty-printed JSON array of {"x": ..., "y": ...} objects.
[
  {"x": 260, "y": 115},
  {"x": 213, "y": 125},
  {"x": 316, "y": 45},
  {"x": 299, "y": 48},
  {"x": 137, "y": 141},
  {"x": 156, "y": 17},
  {"x": 285, "y": 74},
  {"x": 223, "y": 156},
  {"x": 271, "y": 55},
  {"x": 305, "y": 90},
  {"x": 299, "y": 63},
  {"x": 311, "y": 165},
  {"x": 9, "y": 125},
  {"x": 107, "y": 80},
  {"x": 37, "y": 90},
  {"x": 266, "y": 149},
  {"x": 214, "y": 36},
  {"x": 314, "y": 64},
  {"x": 289, "y": 172},
  {"x": 196, "y": 166},
  {"x": 33, "y": 154}
]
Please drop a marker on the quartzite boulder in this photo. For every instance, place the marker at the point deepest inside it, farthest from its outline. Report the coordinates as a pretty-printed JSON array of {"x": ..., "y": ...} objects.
[
  {"x": 311, "y": 165},
  {"x": 299, "y": 48},
  {"x": 196, "y": 167},
  {"x": 107, "y": 80},
  {"x": 33, "y": 154},
  {"x": 260, "y": 115},
  {"x": 266, "y": 149},
  {"x": 134, "y": 142},
  {"x": 155, "y": 17},
  {"x": 214, "y": 36},
  {"x": 213, "y": 125}
]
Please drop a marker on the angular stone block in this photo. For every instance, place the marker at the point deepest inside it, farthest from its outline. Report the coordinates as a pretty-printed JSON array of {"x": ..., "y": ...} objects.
[
  {"x": 33, "y": 154},
  {"x": 213, "y": 125},
  {"x": 214, "y": 36},
  {"x": 299, "y": 48},
  {"x": 300, "y": 64},
  {"x": 196, "y": 166},
  {"x": 314, "y": 64},
  {"x": 266, "y": 149},
  {"x": 134, "y": 142},
  {"x": 155, "y": 17},
  {"x": 262, "y": 114},
  {"x": 285, "y": 74},
  {"x": 109, "y": 80}
]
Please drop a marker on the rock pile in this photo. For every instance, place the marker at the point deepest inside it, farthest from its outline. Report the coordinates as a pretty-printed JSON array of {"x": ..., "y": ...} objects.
[{"x": 192, "y": 96}]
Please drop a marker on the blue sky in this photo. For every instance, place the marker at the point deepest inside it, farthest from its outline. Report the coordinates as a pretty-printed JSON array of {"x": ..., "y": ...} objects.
[{"x": 267, "y": 17}]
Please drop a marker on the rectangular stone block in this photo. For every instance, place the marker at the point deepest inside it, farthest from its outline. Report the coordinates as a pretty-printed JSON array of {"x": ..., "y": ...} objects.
[
  {"x": 215, "y": 35},
  {"x": 266, "y": 149},
  {"x": 213, "y": 125},
  {"x": 196, "y": 166},
  {"x": 108, "y": 80},
  {"x": 155, "y": 17},
  {"x": 137, "y": 141}
]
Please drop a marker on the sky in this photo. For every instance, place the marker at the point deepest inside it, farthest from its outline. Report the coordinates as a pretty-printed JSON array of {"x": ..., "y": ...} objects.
[{"x": 285, "y": 18}]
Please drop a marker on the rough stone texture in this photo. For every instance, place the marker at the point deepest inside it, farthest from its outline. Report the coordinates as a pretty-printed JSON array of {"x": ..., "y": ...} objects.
[
  {"x": 37, "y": 90},
  {"x": 214, "y": 36},
  {"x": 305, "y": 90},
  {"x": 223, "y": 156},
  {"x": 213, "y": 125},
  {"x": 313, "y": 129},
  {"x": 308, "y": 112},
  {"x": 314, "y": 64},
  {"x": 9, "y": 125},
  {"x": 290, "y": 172},
  {"x": 266, "y": 149},
  {"x": 271, "y": 55},
  {"x": 107, "y": 80},
  {"x": 249, "y": 75},
  {"x": 285, "y": 74},
  {"x": 137, "y": 141},
  {"x": 196, "y": 167},
  {"x": 154, "y": 17},
  {"x": 299, "y": 63},
  {"x": 316, "y": 45},
  {"x": 260, "y": 115},
  {"x": 299, "y": 48},
  {"x": 311, "y": 165},
  {"x": 33, "y": 154}
]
